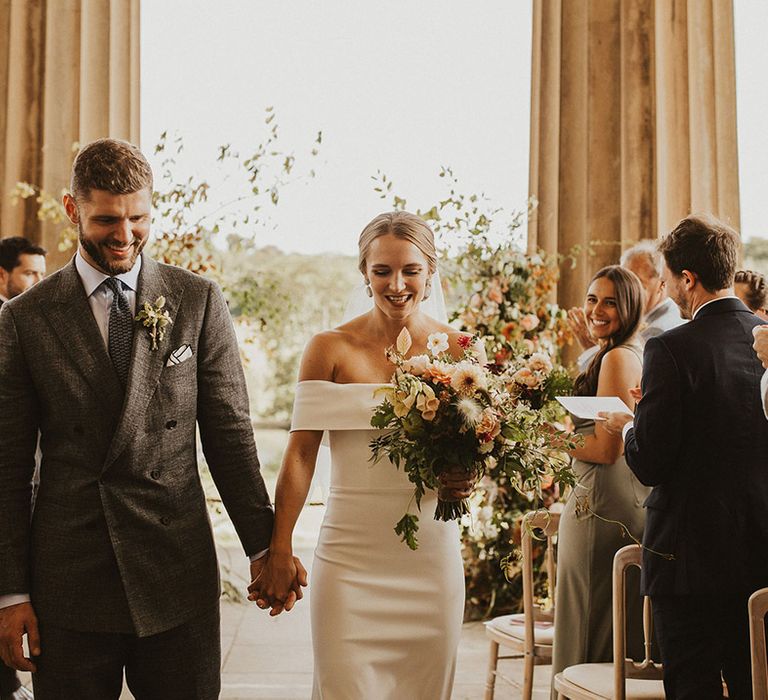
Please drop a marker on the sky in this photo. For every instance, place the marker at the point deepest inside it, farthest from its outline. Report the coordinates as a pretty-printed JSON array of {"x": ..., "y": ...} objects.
[{"x": 403, "y": 87}]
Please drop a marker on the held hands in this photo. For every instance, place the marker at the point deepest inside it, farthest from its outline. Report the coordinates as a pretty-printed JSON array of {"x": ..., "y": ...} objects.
[
  {"x": 761, "y": 344},
  {"x": 15, "y": 620},
  {"x": 456, "y": 485},
  {"x": 277, "y": 580},
  {"x": 578, "y": 323}
]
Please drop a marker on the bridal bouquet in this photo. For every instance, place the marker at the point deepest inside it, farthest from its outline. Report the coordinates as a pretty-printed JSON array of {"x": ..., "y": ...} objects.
[{"x": 443, "y": 413}]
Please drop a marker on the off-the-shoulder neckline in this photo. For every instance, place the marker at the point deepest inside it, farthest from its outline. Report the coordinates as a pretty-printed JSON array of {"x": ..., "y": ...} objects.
[{"x": 326, "y": 381}]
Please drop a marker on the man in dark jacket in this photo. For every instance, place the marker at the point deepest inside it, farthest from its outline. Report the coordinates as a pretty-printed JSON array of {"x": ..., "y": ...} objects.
[{"x": 700, "y": 438}]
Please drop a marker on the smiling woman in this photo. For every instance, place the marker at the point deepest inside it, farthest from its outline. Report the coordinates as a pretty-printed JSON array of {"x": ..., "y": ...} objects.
[{"x": 607, "y": 498}]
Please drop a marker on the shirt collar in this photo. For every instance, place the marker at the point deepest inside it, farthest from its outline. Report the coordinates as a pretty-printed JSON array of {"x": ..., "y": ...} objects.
[
  {"x": 92, "y": 278},
  {"x": 711, "y": 301}
]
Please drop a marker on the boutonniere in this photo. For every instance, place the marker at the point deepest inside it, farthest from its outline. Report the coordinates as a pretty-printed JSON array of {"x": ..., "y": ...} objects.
[{"x": 156, "y": 319}]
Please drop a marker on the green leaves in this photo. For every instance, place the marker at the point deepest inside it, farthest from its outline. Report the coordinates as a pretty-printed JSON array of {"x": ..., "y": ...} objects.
[{"x": 406, "y": 529}]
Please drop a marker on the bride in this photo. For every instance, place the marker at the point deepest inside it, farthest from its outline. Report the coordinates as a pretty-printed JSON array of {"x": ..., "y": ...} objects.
[{"x": 385, "y": 620}]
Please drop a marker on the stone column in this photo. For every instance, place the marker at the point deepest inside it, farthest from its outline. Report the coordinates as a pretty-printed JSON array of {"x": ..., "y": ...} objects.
[
  {"x": 69, "y": 73},
  {"x": 633, "y": 125}
]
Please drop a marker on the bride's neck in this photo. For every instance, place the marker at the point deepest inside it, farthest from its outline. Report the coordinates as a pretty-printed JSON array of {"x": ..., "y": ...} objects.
[{"x": 381, "y": 326}]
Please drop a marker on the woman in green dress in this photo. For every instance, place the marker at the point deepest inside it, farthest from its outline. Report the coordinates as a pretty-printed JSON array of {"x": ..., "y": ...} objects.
[{"x": 607, "y": 498}]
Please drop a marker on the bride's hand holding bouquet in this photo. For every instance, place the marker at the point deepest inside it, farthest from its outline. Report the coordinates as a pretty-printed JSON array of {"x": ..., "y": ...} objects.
[{"x": 450, "y": 419}]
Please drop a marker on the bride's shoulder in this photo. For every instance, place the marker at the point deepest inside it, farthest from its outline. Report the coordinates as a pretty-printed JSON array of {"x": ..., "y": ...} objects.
[{"x": 322, "y": 353}]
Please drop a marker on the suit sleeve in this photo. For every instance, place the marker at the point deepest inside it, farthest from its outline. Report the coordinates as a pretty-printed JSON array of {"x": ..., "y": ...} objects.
[
  {"x": 652, "y": 447},
  {"x": 19, "y": 420},
  {"x": 226, "y": 432}
]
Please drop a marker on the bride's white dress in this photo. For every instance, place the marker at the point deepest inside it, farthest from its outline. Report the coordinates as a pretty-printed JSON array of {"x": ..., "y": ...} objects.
[{"x": 385, "y": 620}]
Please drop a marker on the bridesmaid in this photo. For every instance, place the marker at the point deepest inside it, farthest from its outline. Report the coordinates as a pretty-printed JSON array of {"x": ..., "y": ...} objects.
[{"x": 607, "y": 493}]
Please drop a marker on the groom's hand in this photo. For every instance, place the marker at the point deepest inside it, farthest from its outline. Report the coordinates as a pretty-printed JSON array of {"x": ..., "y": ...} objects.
[
  {"x": 15, "y": 620},
  {"x": 279, "y": 583}
]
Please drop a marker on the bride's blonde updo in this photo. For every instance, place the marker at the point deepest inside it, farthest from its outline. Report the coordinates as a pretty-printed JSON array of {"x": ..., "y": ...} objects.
[{"x": 402, "y": 224}]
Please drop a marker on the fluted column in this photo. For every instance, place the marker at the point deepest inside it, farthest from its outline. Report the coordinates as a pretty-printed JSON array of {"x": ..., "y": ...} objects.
[
  {"x": 633, "y": 125},
  {"x": 70, "y": 74}
]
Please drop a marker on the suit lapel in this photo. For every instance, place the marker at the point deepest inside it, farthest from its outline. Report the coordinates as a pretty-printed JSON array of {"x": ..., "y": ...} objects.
[
  {"x": 146, "y": 364},
  {"x": 72, "y": 319}
]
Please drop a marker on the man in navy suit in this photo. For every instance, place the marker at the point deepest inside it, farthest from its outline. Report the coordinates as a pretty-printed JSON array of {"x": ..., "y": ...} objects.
[{"x": 700, "y": 438}]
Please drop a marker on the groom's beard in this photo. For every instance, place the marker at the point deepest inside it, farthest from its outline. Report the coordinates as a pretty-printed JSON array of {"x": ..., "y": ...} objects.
[{"x": 111, "y": 268}]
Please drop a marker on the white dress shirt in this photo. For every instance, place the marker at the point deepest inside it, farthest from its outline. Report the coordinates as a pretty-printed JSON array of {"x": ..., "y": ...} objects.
[
  {"x": 764, "y": 392},
  {"x": 100, "y": 295}
]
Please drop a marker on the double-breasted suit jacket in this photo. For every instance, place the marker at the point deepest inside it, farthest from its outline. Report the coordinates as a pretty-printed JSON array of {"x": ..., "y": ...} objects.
[{"x": 120, "y": 539}]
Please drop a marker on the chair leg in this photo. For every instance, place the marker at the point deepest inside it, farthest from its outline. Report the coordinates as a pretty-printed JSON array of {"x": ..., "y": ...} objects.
[
  {"x": 527, "y": 677},
  {"x": 493, "y": 661}
]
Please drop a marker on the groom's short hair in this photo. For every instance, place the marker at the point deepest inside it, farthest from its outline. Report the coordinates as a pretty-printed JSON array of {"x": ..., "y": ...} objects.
[
  {"x": 112, "y": 165},
  {"x": 706, "y": 246}
]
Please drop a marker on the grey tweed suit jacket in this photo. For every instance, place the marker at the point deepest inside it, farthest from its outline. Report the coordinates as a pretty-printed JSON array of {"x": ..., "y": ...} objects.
[{"x": 120, "y": 539}]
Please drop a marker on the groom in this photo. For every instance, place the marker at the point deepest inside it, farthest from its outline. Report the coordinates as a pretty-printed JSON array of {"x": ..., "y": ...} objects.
[{"x": 115, "y": 570}]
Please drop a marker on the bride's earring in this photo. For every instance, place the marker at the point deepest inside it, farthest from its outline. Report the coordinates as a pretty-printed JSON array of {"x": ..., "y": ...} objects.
[
  {"x": 368, "y": 289},
  {"x": 427, "y": 292}
]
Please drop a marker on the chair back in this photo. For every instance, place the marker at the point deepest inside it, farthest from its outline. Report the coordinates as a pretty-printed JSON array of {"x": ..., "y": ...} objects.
[
  {"x": 548, "y": 523},
  {"x": 758, "y": 606},
  {"x": 624, "y": 668}
]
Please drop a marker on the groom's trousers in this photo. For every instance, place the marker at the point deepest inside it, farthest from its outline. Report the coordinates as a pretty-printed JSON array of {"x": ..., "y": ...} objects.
[{"x": 183, "y": 663}]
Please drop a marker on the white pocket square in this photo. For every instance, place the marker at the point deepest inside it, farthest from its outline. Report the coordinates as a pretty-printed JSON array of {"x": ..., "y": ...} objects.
[{"x": 179, "y": 355}]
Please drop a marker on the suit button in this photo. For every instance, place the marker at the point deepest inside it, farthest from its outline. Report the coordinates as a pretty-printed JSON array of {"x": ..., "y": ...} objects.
[
  {"x": 170, "y": 425},
  {"x": 155, "y": 474},
  {"x": 165, "y": 521}
]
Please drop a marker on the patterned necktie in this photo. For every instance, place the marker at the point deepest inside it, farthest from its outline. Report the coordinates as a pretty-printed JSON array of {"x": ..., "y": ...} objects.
[{"x": 120, "y": 329}]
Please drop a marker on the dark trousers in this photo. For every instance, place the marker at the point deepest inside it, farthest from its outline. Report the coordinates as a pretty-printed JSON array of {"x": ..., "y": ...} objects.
[
  {"x": 701, "y": 637},
  {"x": 9, "y": 681},
  {"x": 183, "y": 663}
]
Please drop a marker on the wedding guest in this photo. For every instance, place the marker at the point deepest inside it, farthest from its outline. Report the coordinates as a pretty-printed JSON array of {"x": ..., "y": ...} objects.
[
  {"x": 22, "y": 265},
  {"x": 660, "y": 313},
  {"x": 700, "y": 439},
  {"x": 752, "y": 289},
  {"x": 607, "y": 493}
]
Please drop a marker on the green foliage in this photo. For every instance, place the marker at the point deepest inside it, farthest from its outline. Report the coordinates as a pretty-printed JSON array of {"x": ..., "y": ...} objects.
[
  {"x": 406, "y": 529},
  {"x": 284, "y": 299},
  {"x": 756, "y": 255}
]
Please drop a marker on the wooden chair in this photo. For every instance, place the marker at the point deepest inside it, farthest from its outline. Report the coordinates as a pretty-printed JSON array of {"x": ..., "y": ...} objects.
[
  {"x": 623, "y": 679},
  {"x": 758, "y": 606},
  {"x": 527, "y": 635}
]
